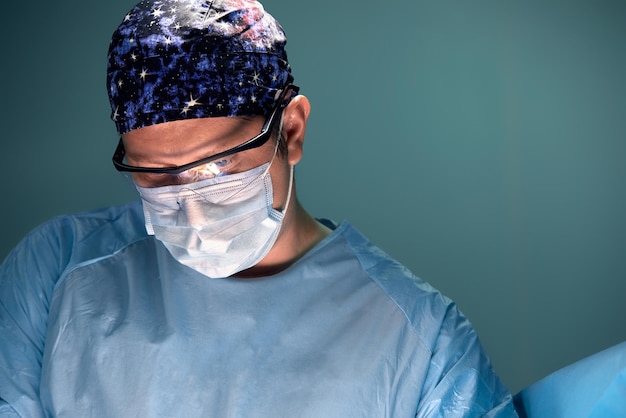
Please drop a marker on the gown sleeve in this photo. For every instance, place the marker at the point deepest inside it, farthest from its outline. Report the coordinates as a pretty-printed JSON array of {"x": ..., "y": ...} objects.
[
  {"x": 27, "y": 279},
  {"x": 460, "y": 381}
]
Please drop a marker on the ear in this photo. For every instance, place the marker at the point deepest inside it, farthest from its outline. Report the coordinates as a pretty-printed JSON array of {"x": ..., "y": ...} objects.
[{"x": 294, "y": 127}]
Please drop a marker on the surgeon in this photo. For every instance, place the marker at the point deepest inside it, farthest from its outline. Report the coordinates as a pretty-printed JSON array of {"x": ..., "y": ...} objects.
[{"x": 216, "y": 294}]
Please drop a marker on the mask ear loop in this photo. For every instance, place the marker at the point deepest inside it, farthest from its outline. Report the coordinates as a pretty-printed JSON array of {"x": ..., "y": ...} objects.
[
  {"x": 278, "y": 140},
  {"x": 284, "y": 211}
]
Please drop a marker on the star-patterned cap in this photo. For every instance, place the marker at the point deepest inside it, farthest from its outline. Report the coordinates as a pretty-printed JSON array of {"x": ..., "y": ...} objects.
[{"x": 179, "y": 59}]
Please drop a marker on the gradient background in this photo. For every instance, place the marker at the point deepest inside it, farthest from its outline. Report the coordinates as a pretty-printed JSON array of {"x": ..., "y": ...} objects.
[{"x": 481, "y": 143}]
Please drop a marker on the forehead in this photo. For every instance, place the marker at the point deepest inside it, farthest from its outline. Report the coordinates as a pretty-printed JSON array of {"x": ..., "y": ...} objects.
[{"x": 190, "y": 137}]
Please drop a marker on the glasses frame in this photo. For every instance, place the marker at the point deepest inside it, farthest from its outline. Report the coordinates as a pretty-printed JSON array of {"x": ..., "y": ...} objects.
[{"x": 257, "y": 141}]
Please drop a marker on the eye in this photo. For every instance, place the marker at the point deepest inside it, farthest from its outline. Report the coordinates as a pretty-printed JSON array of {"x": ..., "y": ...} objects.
[{"x": 221, "y": 164}]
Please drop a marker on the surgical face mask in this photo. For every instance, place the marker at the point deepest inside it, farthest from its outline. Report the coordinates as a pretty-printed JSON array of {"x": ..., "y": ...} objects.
[{"x": 219, "y": 226}]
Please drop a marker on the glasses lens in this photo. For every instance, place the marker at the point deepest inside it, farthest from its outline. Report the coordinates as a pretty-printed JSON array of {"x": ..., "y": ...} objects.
[{"x": 231, "y": 164}]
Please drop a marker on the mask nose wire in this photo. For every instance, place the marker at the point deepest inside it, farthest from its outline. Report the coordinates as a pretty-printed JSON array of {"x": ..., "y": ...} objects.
[{"x": 265, "y": 172}]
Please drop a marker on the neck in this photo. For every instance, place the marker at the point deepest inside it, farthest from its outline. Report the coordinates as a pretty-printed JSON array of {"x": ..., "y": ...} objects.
[{"x": 300, "y": 232}]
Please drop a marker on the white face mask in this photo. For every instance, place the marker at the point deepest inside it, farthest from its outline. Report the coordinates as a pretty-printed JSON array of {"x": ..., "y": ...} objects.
[{"x": 218, "y": 226}]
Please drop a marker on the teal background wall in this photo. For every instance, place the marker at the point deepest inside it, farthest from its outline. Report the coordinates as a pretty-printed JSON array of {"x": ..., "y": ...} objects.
[{"x": 481, "y": 143}]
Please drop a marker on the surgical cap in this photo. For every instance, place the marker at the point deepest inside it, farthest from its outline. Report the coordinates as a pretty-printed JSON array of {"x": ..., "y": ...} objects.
[{"x": 180, "y": 59}]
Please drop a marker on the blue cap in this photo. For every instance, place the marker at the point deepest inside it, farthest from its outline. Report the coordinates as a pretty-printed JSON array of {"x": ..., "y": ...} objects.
[{"x": 180, "y": 59}]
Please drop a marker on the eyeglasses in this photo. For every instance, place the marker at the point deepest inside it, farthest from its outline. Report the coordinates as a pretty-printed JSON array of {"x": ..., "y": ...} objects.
[{"x": 209, "y": 164}]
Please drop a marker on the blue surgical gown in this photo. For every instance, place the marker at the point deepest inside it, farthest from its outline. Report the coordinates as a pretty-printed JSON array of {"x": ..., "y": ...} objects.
[{"x": 98, "y": 320}]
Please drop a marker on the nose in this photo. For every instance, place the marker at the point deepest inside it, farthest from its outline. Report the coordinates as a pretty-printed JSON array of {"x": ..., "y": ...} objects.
[{"x": 193, "y": 213}]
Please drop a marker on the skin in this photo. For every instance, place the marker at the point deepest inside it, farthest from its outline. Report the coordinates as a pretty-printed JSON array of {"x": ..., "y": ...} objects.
[{"x": 179, "y": 142}]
